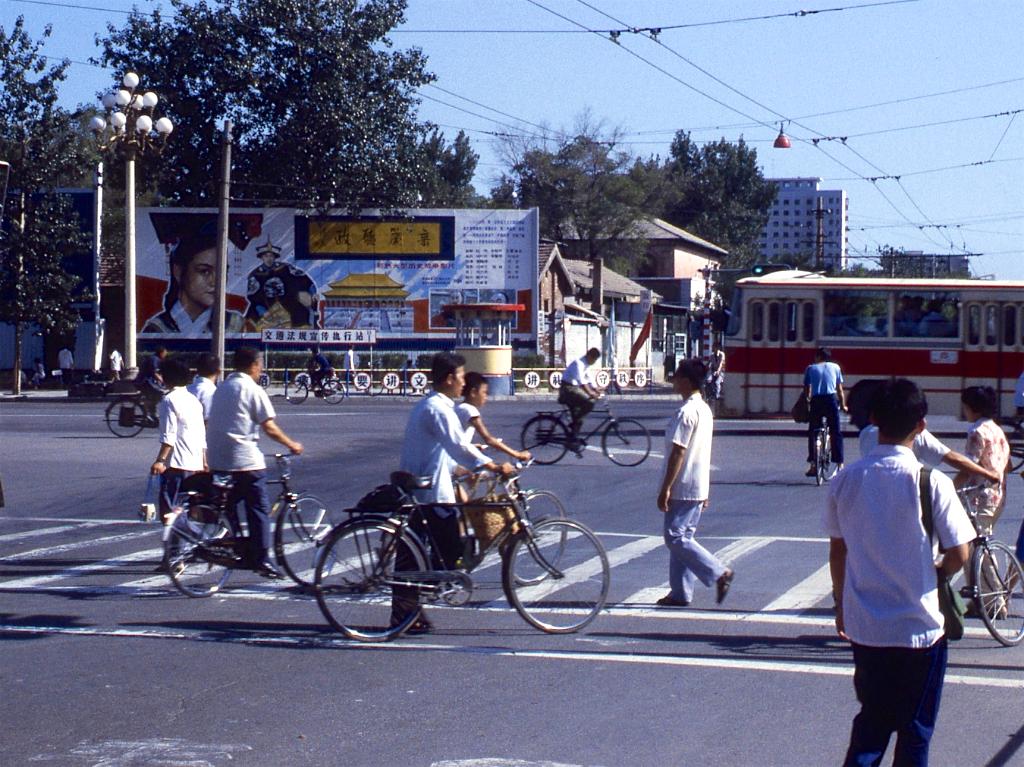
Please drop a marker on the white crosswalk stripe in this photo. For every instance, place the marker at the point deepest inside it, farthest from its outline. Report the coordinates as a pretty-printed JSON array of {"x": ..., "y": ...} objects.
[{"x": 807, "y": 593}]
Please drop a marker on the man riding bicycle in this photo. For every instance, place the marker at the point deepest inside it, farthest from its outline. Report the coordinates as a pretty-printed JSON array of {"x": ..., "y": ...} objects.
[
  {"x": 578, "y": 391},
  {"x": 823, "y": 388},
  {"x": 319, "y": 368},
  {"x": 150, "y": 382}
]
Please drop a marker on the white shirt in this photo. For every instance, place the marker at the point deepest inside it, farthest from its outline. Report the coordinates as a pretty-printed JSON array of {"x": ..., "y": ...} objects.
[
  {"x": 238, "y": 408},
  {"x": 691, "y": 427},
  {"x": 116, "y": 361},
  {"x": 191, "y": 327},
  {"x": 202, "y": 388},
  {"x": 433, "y": 441},
  {"x": 926, "y": 447},
  {"x": 466, "y": 414},
  {"x": 890, "y": 598},
  {"x": 181, "y": 427},
  {"x": 578, "y": 373},
  {"x": 65, "y": 359}
]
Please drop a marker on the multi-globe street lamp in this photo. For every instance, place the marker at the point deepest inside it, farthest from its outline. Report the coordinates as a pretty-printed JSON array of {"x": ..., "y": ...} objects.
[{"x": 131, "y": 127}]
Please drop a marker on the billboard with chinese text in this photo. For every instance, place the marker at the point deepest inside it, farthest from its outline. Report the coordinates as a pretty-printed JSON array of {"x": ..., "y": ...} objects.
[{"x": 392, "y": 274}]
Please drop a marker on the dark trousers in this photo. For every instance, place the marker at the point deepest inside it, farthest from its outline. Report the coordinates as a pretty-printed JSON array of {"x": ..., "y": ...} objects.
[
  {"x": 825, "y": 405},
  {"x": 250, "y": 487},
  {"x": 1020, "y": 543},
  {"x": 170, "y": 485},
  {"x": 899, "y": 691},
  {"x": 438, "y": 527},
  {"x": 578, "y": 402}
]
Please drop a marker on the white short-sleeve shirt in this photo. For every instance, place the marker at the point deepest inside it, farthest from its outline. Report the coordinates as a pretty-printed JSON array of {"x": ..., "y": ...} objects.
[
  {"x": 182, "y": 427},
  {"x": 578, "y": 373},
  {"x": 239, "y": 407},
  {"x": 928, "y": 449},
  {"x": 202, "y": 388},
  {"x": 890, "y": 597},
  {"x": 691, "y": 427},
  {"x": 466, "y": 414}
]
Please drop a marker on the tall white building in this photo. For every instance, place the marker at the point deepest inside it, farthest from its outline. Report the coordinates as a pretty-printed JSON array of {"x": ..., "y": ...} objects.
[{"x": 793, "y": 223}]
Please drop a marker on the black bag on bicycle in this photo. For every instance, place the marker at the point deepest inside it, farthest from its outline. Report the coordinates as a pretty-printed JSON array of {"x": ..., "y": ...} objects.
[
  {"x": 126, "y": 416},
  {"x": 383, "y": 499}
]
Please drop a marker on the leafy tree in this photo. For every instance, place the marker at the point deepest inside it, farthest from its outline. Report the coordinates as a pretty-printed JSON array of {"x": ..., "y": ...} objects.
[
  {"x": 449, "y": 169},
  {"x": 39, "y": 140},
  {"x": 324, "y": 111}
]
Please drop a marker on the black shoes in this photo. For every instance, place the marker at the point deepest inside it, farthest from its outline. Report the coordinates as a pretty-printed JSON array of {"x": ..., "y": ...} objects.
[
  {"x": 419, "y": 626},
  {"x": 722, "y": 587},
  {"x": 267, "y": 570},
  {"x": 670, "y": 601}
]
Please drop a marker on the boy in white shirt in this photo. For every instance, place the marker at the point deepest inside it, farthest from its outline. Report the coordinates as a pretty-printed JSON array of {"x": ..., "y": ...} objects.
[
  {"x": 474, "y": 395},
  {"x": 182, "y": 436}
]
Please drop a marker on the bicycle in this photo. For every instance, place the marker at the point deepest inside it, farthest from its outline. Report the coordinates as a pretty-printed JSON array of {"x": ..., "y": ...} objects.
[
  {"x": 331, "y": 388},
  {"x": 203, "y": 540},
  {"x": 624, "y": 441},
  {"x": 996, "y": 586},
  {"x": 822, "y": 452},
  {"x": 126, "y": 416},
  {"x": 1014, "y": 429},
  {"x": 554, "y": 571}
]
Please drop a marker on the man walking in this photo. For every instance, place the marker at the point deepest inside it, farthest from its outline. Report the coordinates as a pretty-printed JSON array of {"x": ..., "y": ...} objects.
[
  {"x": 884, "y": 581},
  {"x": 685, "y": 489},
  {"x": 66, "y": 363},
  {"x": 823, "y": 388},
  {"x": 239, "y": 409},
  {"x": 116, "y": 365},
  {"x": 578, "y": 391},
  {"x": 434, "y": 440}
]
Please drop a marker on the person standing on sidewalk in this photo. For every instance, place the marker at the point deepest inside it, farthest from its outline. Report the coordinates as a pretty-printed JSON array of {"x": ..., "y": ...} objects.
[
  {"x": 66, "y": 363},
  {"x": 116, "y": 365},
  {"x": 884, "y": 583},
  {"x": 823, "y": 388},
  {"x": 685, "y": 489},
  {"x": 240, "y": 408}
]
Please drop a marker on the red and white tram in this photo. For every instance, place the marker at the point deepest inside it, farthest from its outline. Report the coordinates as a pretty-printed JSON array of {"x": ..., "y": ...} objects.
[{"x": 944, "y": 334}]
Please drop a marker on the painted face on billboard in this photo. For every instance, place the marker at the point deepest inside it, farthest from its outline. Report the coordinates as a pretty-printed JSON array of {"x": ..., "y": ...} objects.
[{"x": 197, "y": 282}]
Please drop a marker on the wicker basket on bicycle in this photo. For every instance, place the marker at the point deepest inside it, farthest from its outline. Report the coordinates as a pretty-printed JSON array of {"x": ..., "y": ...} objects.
[{"x": 488, "y": 516}]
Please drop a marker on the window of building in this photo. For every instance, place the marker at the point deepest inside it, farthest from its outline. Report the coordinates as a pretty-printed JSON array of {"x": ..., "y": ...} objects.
[
  {"x": 922, "y": 314},
  {"x": 856, "y": 313}
]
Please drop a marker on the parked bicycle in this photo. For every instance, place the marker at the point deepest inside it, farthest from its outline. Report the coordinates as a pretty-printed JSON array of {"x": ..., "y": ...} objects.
[
  {"x": 996, "y": 584},
  {"x": 823, "y": 468},
  {"x": 554, "y": 571},
  {"x": 625, "y": 441},
  {"x": 204, "y": 540},
  {"x": 126, "y": 416},
  {"x": 332, "y": 389}
]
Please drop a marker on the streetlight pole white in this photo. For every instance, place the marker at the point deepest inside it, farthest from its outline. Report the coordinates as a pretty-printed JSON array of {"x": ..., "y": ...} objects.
[{"x": 131, "y": 126}]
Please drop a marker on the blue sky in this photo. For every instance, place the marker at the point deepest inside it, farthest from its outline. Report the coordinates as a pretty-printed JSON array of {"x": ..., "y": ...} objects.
[{"x": 731, "y": 79}]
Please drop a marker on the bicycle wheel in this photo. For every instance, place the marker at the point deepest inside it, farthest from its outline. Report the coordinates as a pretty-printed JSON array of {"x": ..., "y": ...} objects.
[
  {"x": 821, "y": 448},
  {"x": 125, "y": 425},
  {"x": 355, "y": 574},
  {"x": 626, "y": 442},
  {"x": 299, "y": 534},
  {"x": 557, "y": 576},
  {"x": 999, "y": 580},
  {"x": 192, "y": 575},
  {"x": 546, "y": 437},
  {"x": 540, "y": 506},
  {"x": 334, "y": 391},
  {"x": 296, "y": 393}
]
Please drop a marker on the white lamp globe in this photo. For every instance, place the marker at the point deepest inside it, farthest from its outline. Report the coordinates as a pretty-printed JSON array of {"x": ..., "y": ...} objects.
[
  {"x": 130, "y": 80},
  {"x": 164, "y": 126},
  {"x": 118, "y": 120},
  {"x": 137, "y": 102},
  {"x": 108, "y": 100},
  {"x": 97, "y": 124},
  {"x": 144, "y": 124},
  {"x": 122, "y": 97},
  {"x": 149, "y": 99}
]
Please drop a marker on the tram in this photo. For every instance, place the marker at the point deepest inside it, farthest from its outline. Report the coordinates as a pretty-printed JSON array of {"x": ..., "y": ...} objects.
[{"x": 945, "y": 334}]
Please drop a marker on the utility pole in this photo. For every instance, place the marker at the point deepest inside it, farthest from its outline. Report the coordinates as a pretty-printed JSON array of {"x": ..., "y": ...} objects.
[
  {"x": 220, "y": 299},
  {"x": 97, "y": 244}
]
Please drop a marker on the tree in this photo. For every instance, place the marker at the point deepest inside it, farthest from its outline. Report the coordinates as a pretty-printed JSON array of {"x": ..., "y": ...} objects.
[
  {"x": 324, "y": 112},
  {"x": 449, "y": 169},
  {"x": 39, "y": 140}
]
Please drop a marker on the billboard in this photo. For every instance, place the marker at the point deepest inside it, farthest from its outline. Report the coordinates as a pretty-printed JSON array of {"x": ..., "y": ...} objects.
[{"x": 287, "y": 268}]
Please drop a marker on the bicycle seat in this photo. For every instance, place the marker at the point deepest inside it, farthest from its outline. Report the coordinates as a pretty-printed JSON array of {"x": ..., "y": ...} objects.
[{"x": 409, "y": 482}]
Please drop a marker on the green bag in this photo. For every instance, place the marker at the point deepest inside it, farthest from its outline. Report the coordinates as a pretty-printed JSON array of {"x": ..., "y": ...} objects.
[{"x": 950, "y": 602}]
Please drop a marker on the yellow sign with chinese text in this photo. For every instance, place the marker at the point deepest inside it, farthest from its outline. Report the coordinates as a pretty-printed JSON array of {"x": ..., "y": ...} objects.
[{"x": 385, "y": 238}]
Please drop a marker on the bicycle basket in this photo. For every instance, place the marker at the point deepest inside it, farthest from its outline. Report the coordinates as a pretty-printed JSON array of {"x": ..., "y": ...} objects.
[
  {"x": 488, "y": 518},
  {"x": 126, "y": 416}
]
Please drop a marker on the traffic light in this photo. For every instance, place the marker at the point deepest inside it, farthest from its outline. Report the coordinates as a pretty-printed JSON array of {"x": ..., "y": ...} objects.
[{"x": 759, "y": 269}]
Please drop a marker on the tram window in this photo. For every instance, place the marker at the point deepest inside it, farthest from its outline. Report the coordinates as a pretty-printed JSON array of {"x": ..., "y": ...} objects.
[
  {"x": 808, "y": 322},
  {"x": 856, "y": 313},
  {"x": 736, "y": 317},
  {"x": 973, "y": 324},
  {"x": 757, "y": 321},
  {"x": 774, "y": 312},
  {"x": 926, "y": 315},
  {"x": 792, "y": 309},
  {"x": 991, "y": 326},
  {"x": 1009, "y": 325}
]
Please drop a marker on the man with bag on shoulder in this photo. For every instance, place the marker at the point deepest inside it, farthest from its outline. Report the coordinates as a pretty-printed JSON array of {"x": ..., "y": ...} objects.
[{"x": 885, "y": 575}]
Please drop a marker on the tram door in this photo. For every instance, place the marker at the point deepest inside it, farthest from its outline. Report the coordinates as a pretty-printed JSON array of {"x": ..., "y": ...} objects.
[
  {"x": 781, "y": 333},
  {"x": 992, "y": 347}
]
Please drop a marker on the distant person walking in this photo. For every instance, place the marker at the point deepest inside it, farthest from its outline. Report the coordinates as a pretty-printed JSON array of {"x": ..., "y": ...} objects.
[
  {"x": 116, "y": 365},
  {"x": 205, "y": 383},
  {"x": 66, "y": 363},
  {"x": 823, "y": 388},
  {"x": 684, "y": 492},
  {"x": 884, "y": 581}
]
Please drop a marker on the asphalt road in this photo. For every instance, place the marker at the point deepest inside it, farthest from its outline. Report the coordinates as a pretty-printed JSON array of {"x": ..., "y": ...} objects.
[{"x": 104, "y": 664}]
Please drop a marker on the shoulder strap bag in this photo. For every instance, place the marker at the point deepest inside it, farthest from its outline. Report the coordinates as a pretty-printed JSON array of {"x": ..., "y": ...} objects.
[{"x": 950, "y": 602}]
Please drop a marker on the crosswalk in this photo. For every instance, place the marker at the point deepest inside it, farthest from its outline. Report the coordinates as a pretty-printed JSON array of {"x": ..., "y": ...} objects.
[{"x": 116, "y": 557}]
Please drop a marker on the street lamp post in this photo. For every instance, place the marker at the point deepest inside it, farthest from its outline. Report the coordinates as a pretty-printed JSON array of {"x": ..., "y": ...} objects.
[{"x": 130, "y": 125}]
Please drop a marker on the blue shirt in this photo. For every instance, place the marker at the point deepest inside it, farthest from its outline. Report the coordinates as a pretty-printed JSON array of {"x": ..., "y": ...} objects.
[{"x": 823, "y": 378}]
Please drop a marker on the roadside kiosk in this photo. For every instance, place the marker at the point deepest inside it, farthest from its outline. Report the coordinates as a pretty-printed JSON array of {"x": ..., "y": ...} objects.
[{"x": 483, "y": 335}]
